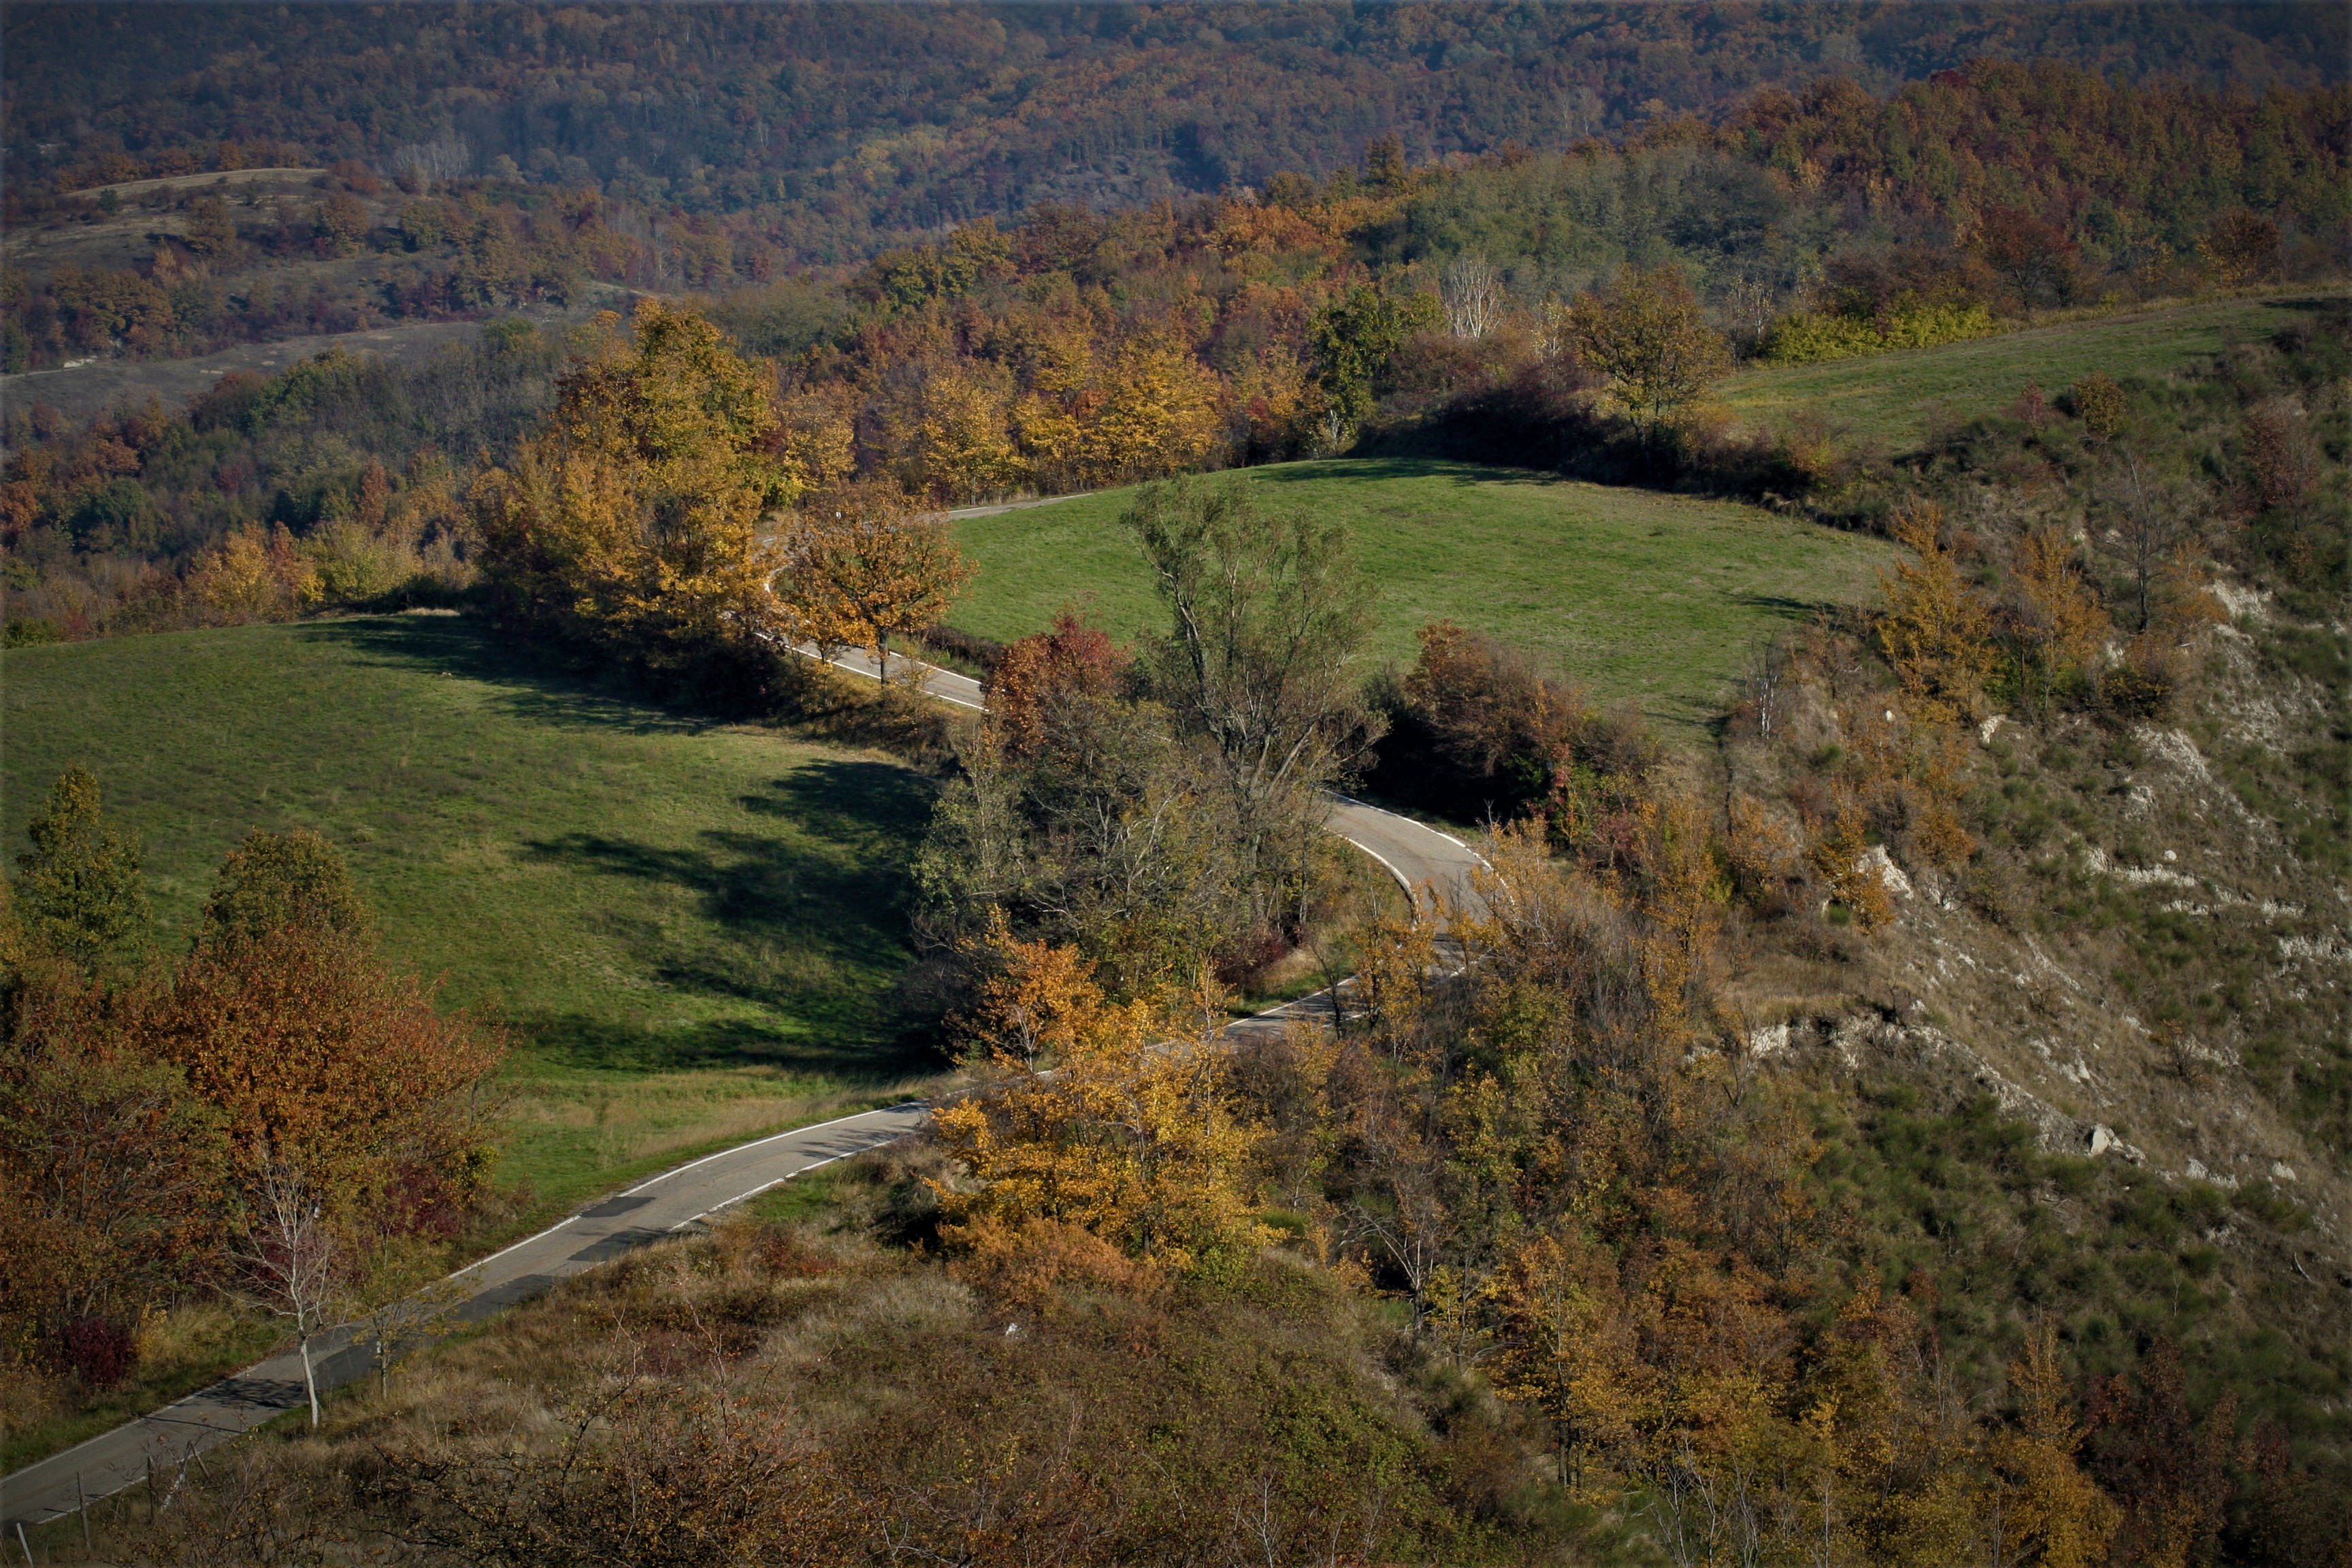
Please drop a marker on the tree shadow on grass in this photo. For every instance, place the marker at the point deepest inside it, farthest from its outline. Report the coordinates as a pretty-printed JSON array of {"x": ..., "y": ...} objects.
[
  {"x": 1782, "y": 609},
  {"x": 1379, "y": 469},
  {"x": 805, "y": 922},
  {"x": 532, "y": 684}
]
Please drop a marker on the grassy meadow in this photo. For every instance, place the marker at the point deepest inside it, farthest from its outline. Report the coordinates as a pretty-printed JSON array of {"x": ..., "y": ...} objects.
[
  {"x": 1894, "y": 399},
  {"x": 690, "y": 930},
  {"x": 1644, "y": 597}
]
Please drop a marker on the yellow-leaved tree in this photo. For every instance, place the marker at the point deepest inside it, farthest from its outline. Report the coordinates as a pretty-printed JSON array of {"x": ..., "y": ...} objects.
[
  {"x": 632, "y": 517},
  {"x": 1100, "y": 1119},
  {"x": 2061, "y": 623},
  {"x": 1936, "y": 630},
  {"x": 2054, "y": 1514},
  {"x": 860, "y": 565}
]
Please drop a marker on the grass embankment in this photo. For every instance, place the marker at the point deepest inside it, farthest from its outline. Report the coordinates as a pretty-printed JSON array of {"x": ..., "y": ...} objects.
[
  {"x": 1896, "y": 398},
  {"x": 690, "y": 930},
  {"x": 1649, "y": 598}
]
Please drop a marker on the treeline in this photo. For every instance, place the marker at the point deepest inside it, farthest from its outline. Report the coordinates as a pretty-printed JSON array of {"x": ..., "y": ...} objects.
[
  {"x": 1435, "y": 309},
  {"x": 339, "y": 482},
  {"x": 1988, "y": 191},
  {"x": 272, "y": 1112}
]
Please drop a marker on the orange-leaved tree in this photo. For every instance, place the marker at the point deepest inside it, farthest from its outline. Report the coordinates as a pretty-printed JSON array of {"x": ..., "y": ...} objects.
[
  {"x": 1039, "y": 673},
  {"x": 1133, "y": 1135},
  {"x": 632, "y": 517},
  {"x": 2060, "y": 620},
  {"x": 317, "y": 1055},
  {"x": 861, "y": 564},
  {"x": 1936, "y": 629}
]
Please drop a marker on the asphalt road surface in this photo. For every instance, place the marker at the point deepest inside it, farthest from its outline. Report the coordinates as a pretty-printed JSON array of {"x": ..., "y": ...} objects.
[
  {"x": 162, "y": 1442},
  {"x": 1434, "y": 868},
  {"x": 1429, "y": 863}
]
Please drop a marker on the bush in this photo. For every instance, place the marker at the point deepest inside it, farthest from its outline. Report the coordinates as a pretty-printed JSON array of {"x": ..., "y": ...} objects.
[
  {"x": 2136, "y": 689},
  {"x": 1808, "y": 339}
]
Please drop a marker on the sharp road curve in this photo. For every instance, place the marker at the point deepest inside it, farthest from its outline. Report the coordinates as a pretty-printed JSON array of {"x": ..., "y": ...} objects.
[{"x": 1434, "y": 868}]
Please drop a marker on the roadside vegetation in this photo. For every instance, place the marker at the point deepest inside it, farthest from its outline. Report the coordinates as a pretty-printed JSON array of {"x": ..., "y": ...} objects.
[{"x": 1890, "y": 1104}]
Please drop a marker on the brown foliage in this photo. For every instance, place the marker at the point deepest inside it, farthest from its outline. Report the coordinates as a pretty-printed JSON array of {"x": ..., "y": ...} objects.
[
  {"x": 313, "y": 1050},
  {"x": 111, "y": 1173},
  {"x": 1037, "y": 674}
]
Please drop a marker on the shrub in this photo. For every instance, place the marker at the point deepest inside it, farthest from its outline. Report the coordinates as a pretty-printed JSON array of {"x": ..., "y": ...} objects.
[{"x": 1810, "y": 339}]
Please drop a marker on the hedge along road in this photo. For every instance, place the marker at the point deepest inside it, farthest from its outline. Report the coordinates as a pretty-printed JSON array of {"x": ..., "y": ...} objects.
[{"x": 1435, "y": 868}]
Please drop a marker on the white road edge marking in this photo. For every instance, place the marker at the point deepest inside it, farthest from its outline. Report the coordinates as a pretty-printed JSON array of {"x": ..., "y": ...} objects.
[{"x": 740, "y": 1147}]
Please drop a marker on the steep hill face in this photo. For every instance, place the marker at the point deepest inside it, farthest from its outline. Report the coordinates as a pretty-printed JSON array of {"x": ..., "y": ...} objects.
[{"x": 2145, "y": 969}]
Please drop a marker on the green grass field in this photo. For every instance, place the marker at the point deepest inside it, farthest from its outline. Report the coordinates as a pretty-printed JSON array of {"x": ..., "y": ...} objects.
[
  {"x": 1644, "y": 597},
  {"x": 1894, "y": 398},
  {"x": 690, "y": 930}
]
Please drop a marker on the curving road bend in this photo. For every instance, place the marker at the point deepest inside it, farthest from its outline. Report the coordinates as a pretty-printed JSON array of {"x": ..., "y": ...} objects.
[{"x": 1435, "y": 868}]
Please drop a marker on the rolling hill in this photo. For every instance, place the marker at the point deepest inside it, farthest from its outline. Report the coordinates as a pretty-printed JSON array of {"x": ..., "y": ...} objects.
[{"x": 1654, "y": 599}]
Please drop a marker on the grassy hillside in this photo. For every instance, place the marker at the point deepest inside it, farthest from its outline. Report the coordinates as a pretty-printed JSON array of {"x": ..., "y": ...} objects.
[
  {"x": 1649, "y": 598},
  {"x": 1894, "y": 398},
  {"x": 690, "y": 929}
]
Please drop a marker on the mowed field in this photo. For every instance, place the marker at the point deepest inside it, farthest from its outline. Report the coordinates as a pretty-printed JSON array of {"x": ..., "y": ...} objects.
[
  {"x": 1894, "y": 398},
  {"x": 1654, "y": 599},
  {"x": 690, "y": 930}
]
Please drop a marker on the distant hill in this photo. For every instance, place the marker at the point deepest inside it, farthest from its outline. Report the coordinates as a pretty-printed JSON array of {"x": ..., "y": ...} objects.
[{"x": 854, "y": 124}]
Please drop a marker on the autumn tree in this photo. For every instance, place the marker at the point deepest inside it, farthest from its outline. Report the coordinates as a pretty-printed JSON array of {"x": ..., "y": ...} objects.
[
  {"x": 1496, "y": 727},
  {"x": 2053, "y": 1510},
  {"x": 2241, "y": 247},
  {"x": 2061, "y": 623},
  {"x": 863, "y": 565},
  {"x": 111, "y": 1172},
  {"x": 632, "y": 517},
  {"x": 1135, "y": 1136},
  {"x": 1936, "y": 630},
  {"x": 79, "y": 890},
  {"x": 1039, "y": 674},
  {"x": 316, "y": 1052},
  {"x": 211, "y": 231},
  {"x": 1648, "y": 334}
]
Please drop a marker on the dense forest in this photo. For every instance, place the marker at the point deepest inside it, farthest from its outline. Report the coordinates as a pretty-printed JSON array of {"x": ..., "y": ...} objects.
[{"x": 847, "y": 126}]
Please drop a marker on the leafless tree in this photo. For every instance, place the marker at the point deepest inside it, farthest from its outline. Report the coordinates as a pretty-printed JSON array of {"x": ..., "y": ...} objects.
[
  {"x": 289, "y": 1258},
  {"x": 1471, "y": 294},
  {"x": 2142, "y": 521},
  {"x": 444, "y": 158}
]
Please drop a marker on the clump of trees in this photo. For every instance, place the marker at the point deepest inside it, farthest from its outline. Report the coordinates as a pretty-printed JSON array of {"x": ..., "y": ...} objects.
[
  {"x": 672, "y": 514},
  {"x": 274, "y": 1114},
  {"x": 1159, "y": 810}
]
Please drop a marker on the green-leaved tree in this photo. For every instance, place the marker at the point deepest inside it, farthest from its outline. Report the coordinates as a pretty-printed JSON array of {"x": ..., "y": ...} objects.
[
  {"x": 78, "y": 891},
  {"x": 1268, "y": 615},
  {"x": 276, "y": 879}
]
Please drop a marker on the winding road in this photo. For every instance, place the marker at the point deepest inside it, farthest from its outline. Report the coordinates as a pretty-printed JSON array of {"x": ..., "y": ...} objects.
[{"x": 1434, "y": 868}]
